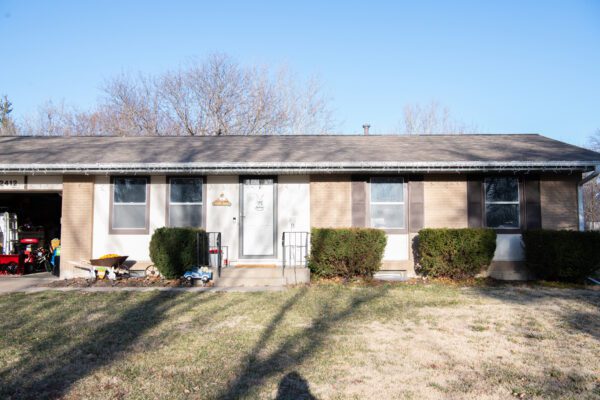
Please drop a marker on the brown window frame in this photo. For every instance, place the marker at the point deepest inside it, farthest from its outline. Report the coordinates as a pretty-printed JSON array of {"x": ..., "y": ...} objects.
[
  {"x": 129, "y": 231},
  {"x": 204, "y": 199}
]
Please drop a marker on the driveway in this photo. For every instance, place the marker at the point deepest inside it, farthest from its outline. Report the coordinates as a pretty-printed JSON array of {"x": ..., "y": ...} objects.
[{"x": 14, "y": 283}]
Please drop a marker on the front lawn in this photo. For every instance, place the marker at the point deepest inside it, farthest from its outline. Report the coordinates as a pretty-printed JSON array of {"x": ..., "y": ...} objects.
[{"x": 327, "y": 341}]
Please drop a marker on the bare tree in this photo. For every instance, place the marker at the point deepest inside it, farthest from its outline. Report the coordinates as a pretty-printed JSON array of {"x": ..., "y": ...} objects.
[
  {"x": 50, "y": 120},
  {"x": 7, "y": 125},
  {"x": 594, "y": 141},
  {"x": 221, "y": 97},
  {"x": 132, "y": 106},
  {"x": 215, "y": 97},
  {"x": 591, "y": 191},
  {"x": 56, "y": 119},
  {"x": 431, "y": 118}
]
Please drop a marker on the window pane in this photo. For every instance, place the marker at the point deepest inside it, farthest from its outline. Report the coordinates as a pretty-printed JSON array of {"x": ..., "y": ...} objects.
[
  {"x": 186, "y": 190},
  {"x": 386, "y": 189},
  {"x": 258, "y": 181},
  {"x": 129, "y": 216},
  {"x": 130, "y": 190},
  {"x": 185, "y": 215},
  {"x": 387, "y": 216},
  {"x": 502, "y": 215},
  {"x": 501, "y": 189}
]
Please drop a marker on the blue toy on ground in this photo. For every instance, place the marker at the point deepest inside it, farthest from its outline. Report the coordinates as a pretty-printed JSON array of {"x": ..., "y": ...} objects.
[{"x": 203, "y": 274}]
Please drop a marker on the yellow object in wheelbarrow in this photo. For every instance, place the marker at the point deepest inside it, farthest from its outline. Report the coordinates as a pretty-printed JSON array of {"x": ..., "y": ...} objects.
[
  {"x": 101, "y": 272},
  {"x": 109, "y": 256}
]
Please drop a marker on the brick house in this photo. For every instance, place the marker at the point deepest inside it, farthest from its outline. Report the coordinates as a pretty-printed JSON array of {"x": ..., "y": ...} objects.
[{"x": 115, "y": 191}]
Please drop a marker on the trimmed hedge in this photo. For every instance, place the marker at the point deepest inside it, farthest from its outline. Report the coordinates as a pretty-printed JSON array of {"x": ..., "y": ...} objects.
[
  {"x": 346, "y": 252},
  {"x": 562, "y": 255},
  {"x": 455, "y": 253},
  {"x": 173, "y": 250}
]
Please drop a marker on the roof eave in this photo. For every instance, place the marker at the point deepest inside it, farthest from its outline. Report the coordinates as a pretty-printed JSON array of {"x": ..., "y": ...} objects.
[{"x": 295, "y": 167}]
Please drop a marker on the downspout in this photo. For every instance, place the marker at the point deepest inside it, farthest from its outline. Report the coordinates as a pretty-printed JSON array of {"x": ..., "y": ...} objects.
[{"x": 580, "y": 211}]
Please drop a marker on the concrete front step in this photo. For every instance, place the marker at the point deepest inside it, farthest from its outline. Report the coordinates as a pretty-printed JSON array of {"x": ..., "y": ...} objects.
[
  {"x": 509, "y": 271},
  {"x": 234, "y": 272},
  {"x": 251, "y": 277},
  {"x": 235, "y": 281}
]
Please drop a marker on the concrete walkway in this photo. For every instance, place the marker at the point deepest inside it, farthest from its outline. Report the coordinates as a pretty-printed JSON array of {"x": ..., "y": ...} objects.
[
  {"x": 19, "y": 283},
  {"x": 35, "y": 283}
]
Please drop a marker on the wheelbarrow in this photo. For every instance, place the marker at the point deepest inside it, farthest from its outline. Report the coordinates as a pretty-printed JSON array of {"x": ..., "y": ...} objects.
[{"x": 114, "y": 265}]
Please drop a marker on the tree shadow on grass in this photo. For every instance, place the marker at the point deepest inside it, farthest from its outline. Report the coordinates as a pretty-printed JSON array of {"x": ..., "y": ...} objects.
[
  {"x": 291, "y": 352},
  {"x": 72, "y": 361},
  {"x": 18, "y": 318},
  {"x": 584, "y": 321}
]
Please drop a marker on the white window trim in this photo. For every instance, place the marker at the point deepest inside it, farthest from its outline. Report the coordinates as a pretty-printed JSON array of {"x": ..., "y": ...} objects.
[
  {"x": 517, "y": 202},
  {"x": 137, "y": 230},
  {"x": 179, "y": 203},
  {"x": 397, "y": 203}
]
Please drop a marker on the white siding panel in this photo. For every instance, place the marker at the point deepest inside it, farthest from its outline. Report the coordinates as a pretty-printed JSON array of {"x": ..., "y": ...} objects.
[
  {"x": 45, "y": 182},
  {"x": 293, "y": 211},
  {"x": 134, "y": 246},
  {"x": 224, "y": 219},
  {"x": 509, "y": 248},
  {"x": 397, "y": 247},
  {"x": 293, "y": 197}
]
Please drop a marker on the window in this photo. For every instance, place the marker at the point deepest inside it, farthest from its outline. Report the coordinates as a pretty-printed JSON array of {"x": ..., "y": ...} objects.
[
  {"x": 185, "y": 202},
  {"x": 502, "y": 202},
  {"x": 387, "y": 202},
  {"x": 130, "y": 202}
]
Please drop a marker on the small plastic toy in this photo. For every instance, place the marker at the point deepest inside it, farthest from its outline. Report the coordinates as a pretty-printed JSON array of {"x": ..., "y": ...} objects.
[{"x": 203, "y": 274}]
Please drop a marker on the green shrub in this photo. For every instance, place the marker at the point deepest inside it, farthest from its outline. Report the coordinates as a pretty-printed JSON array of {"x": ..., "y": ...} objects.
[
  {"x": 455, "y": 253},
  {"x": 173, "y": 250},
  {"x": 569, "y": 256},
  {"x": 346, "y": 252}
]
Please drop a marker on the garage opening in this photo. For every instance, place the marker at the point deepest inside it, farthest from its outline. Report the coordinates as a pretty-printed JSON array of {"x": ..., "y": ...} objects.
[{"x": 28, "y": 224}]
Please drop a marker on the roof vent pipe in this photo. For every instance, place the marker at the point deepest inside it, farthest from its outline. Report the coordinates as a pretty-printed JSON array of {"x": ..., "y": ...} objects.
[{"x": 366, "y": 129}]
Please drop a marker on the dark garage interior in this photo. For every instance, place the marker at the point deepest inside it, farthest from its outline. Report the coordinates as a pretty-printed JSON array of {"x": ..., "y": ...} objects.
[
  {"x": 26, "y": 241},
  {"x": 41, "y": 210}
]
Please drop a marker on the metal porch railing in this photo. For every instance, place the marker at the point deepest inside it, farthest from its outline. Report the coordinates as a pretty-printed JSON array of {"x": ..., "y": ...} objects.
[
  {"x": 296, "y": 247},
  {"x": 209, "y": 252}
]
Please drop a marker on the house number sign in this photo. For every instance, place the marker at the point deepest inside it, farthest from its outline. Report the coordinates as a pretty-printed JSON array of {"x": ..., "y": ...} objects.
[{"x": 8, "y": 183}]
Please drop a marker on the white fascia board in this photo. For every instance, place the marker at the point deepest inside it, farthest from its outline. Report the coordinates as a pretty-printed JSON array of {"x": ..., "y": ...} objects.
[{"x": 298, "y": 167}]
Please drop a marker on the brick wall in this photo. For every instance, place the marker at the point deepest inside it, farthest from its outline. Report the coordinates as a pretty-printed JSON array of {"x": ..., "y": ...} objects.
[
  {"x": 330, "y": 201},
  {"x": 445, "y": 202},
  {"x": 76, "y": 225},
  {"x": 558, "y": 196}
]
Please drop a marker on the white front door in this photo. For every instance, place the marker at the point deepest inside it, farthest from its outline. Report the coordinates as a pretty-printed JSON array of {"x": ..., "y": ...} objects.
[{"x": 258, "y": 217}]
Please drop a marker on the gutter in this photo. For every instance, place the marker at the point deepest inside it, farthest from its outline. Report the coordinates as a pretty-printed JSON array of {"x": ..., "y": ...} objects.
[
  {"x": 593, "y": 175},
  {"x": 265, "y": 168}
]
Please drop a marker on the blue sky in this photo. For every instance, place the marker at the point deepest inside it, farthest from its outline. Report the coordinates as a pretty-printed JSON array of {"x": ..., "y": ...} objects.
[{"x": 522, "y": 66}]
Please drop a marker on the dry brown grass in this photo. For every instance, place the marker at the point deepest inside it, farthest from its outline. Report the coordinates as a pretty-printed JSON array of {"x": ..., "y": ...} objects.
[{"x": 332, "y": 341}]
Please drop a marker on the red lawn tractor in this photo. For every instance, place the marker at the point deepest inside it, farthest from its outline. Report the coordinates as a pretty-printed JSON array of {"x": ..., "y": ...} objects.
[{"x": 32, "y": 257}]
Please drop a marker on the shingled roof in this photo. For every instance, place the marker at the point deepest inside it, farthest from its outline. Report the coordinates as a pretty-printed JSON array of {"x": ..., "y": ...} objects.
[{"x": 291, "y": 154}]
